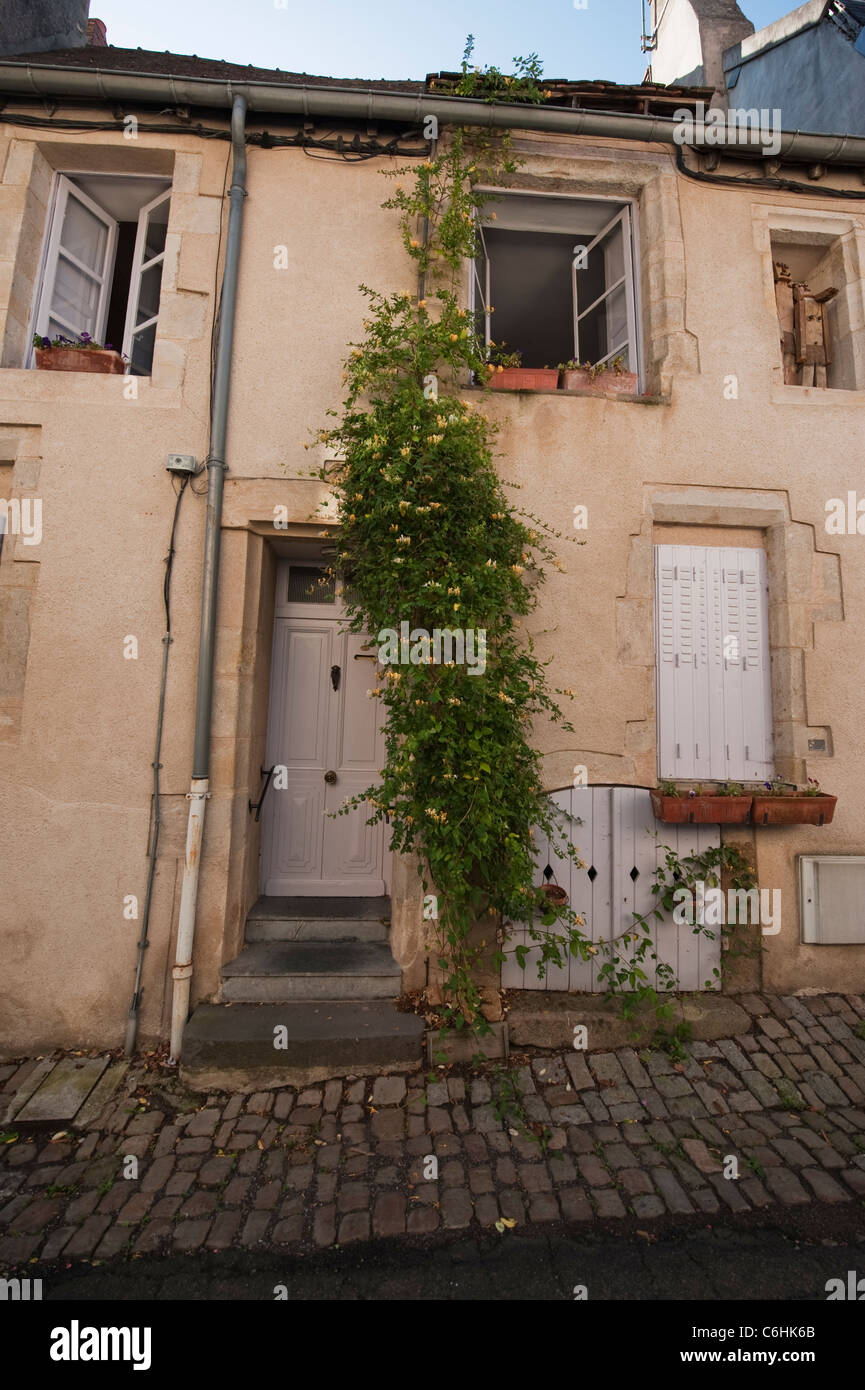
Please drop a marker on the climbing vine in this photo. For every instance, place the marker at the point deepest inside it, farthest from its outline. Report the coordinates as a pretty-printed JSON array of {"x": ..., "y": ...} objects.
[
  {"x": 428, "y": 538},
  {"x": 428, "y": 541}
]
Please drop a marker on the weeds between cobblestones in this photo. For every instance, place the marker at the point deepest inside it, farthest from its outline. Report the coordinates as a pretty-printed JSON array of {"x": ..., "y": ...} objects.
[{"x": 624, "y": 1134}]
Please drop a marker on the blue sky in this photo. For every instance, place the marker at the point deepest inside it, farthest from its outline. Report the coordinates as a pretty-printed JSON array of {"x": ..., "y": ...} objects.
[{"x": 398, "y": 38}]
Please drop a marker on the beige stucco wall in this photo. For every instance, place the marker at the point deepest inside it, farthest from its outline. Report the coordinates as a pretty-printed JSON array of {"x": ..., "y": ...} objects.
[{"x": 77, "y": 720}]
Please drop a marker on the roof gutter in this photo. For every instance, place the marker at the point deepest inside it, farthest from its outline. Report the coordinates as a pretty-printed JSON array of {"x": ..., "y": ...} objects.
[{"x": 100, "y": 84}]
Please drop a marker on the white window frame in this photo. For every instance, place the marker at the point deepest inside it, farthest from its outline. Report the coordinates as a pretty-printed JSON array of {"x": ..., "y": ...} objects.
[
  {"x": 809, "y": 896},
  {"x": 626, "y": 209},
  {"x": 626, "y": 279},
  {"x": 64, "y": 187},
  {"x": 138, "y": 268}
]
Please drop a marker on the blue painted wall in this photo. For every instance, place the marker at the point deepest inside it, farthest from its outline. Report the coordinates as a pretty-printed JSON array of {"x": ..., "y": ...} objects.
[{"x": 816, "y": 79}]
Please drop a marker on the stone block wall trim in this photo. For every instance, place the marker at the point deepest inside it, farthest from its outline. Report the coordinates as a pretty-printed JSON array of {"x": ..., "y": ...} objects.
[
  {"x": 26, "y": 194},
  {"x": 804, "y": 588}
]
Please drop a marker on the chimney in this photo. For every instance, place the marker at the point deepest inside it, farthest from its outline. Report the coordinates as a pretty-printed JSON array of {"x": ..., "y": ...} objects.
[
  {"x": 97, "y": 35},
  {"x": 690, "y": 37},
  {"x": 37, "y": 26}
]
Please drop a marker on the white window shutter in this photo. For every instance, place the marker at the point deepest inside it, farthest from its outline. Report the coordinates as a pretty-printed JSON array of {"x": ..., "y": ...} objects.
[
  {"x": 758, "y": 748},
  {"x": 714, "y": 712},
  {"x": 680, "y": 597}
]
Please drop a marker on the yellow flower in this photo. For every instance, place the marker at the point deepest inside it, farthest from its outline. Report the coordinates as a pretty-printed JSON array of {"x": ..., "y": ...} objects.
[{"x": 414, "y": 242}]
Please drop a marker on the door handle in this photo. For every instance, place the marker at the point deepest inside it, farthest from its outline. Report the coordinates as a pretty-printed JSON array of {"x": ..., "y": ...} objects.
[
  {"x": 330, "y": 777},
  {"x": 257, "y": 805},
  {"x": 334, "y": 676}
]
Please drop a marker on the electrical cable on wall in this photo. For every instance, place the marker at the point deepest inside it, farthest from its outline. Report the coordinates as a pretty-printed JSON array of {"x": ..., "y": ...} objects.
[
  {"x": 135, "y": 1005},
  {"x": 788, "y": 185},
  {"x": 352, "y": 151}
]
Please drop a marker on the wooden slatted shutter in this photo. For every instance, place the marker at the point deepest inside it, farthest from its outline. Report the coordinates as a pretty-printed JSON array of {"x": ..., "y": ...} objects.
[{"x": 714, "y": 710}]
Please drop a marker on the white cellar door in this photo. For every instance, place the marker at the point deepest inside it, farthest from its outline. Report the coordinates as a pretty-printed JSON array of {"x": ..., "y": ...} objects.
[{"x": 614, "y": 832}]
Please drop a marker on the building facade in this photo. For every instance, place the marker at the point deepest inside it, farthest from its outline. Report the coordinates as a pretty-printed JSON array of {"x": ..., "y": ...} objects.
[{"x": 708, "y": 499}]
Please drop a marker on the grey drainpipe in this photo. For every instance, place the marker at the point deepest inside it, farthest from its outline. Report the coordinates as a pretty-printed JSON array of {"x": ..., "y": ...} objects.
[
  {"x": 409, "y": 109},
  {"x": 199, "y": 790}
]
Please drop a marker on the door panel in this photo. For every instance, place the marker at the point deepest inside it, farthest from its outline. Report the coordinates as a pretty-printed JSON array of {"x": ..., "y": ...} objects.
[
  {"x": 293, "y": 818},
  {"x": 314, "y": 728}
]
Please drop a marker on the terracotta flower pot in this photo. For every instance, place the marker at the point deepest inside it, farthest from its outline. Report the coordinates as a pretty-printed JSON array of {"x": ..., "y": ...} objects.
[
  {"x": 793, "y": 810},
  {"x": 556, "y": 895},
  {"x": 623, "y": 383},
  {"x": 700, "y": 810},
  {"x": 80, "y": 360},
  {"x": 524, "y": 379}
]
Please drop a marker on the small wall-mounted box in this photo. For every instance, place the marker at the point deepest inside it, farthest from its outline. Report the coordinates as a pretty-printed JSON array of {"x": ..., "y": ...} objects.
[
  {"x": 182, "y": 463},
  {"x": 832, "y": 899}
]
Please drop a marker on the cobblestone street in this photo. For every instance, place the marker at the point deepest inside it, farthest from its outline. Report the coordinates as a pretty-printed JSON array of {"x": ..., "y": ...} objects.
[{"x": 622, "y": 1137}]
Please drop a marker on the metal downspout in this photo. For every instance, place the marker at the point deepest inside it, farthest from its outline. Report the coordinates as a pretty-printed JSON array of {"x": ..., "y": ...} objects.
[{"x": 199, "y": 791}]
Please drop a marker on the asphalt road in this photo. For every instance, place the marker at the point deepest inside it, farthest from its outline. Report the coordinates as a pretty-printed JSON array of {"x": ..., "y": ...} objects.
[{"x": 787, "y": 1259}]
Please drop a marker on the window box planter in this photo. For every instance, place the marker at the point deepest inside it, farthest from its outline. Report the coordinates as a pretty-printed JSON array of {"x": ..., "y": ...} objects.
[
  {"x": 524, "y": 379},
  {"x": 793, "y": 810},
  {"x": 624, "y": 383},
  {"x": 701, "y": 810},
  {"x": 80, "y": 360}
]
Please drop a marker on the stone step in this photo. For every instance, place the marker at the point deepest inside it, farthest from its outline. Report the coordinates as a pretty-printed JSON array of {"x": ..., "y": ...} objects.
[
  {"x": 319, "y": 919},
  {"x": 273, "y": 972},
  {"x": 315, "y": 929},
  {"x": 231, "y": 1047}
]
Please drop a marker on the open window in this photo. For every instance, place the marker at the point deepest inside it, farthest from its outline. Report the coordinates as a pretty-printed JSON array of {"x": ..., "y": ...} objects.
[
  {"x": 103, "y": 262},
  {"x": 555, "y": 279}
]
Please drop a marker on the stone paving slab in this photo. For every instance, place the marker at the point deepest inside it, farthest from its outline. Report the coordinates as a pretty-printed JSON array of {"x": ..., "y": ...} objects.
[
  {"x": 62, "y": 1092},
  {"x": 600, "y": 1139}
]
